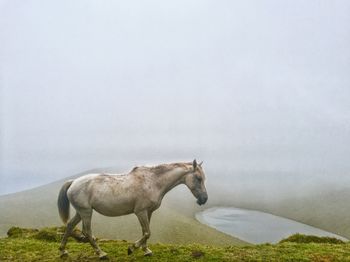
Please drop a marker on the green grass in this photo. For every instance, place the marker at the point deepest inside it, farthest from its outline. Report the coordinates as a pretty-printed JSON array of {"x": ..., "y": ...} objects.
[
  {"x": 42, "y": 245},
  {"x": 300, "y": 238}
]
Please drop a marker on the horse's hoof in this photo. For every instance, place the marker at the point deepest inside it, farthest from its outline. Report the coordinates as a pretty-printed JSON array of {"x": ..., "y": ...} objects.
[
  {"x": 84, "y": 240},
  {"x": 147, "y": 252},
  {"x": 81, "y": 238},
  {"x": 64, "y": 254},
  {"x": 130, "y": 250},
  {"x": 103, "y": 256}
]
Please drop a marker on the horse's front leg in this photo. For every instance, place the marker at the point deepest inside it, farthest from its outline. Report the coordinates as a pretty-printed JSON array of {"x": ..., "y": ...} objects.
[
  {"x": 146, "y": 233},
  {"x": 146, "y": 250}
]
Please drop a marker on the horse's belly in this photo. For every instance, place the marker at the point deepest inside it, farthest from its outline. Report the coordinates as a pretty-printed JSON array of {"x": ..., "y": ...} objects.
[{"x": 113, "y": 208}]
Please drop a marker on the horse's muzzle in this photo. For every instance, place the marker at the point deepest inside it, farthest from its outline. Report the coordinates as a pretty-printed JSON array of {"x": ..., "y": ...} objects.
[{"x": 202, "y": 199}]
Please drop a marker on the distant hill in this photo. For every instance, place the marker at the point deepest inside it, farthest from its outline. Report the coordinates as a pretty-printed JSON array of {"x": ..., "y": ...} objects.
[{"x": 173, "y": 222}]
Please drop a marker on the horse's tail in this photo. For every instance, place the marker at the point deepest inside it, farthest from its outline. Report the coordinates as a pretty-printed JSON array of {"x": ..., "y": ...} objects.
[{"x": 63, "y": 201}]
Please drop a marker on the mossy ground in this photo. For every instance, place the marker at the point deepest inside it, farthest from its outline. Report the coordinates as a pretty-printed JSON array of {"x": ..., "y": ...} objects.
[{"x": 42, "y": 245}]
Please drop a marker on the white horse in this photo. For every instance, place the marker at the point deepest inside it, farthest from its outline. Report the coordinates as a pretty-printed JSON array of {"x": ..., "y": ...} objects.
[{"x": 141, "y": 192}]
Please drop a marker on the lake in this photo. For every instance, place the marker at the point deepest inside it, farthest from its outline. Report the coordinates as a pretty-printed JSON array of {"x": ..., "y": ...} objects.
[{"x": 254, "y": 226}]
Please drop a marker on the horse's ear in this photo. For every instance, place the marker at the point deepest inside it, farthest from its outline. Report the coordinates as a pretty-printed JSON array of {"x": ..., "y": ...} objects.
[
  {"x": 200, "y": 164},
  {"x": 194, "y": 164}
]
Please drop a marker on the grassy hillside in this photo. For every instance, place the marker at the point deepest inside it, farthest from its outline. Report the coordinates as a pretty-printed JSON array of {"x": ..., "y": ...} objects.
[
  {"x": 172, "y": 223},
  {"x": 34, "y": 245}
]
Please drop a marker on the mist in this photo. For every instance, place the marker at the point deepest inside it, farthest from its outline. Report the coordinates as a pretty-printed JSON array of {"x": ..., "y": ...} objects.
[{"x": 258, "y": 90}]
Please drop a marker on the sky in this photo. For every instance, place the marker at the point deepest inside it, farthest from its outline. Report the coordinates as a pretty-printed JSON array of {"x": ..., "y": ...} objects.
[{"x": 253, "y": 86}]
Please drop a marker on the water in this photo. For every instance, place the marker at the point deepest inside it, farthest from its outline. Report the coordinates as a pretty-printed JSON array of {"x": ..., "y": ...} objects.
[{"x": 255, "y": 226}]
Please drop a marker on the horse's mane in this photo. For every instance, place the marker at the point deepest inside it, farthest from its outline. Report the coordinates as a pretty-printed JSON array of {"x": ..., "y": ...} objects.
[{"x": 163, "y": 168}]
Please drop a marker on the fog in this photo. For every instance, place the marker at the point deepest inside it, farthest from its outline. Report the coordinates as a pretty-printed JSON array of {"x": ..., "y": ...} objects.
[{"x": 258, "y": 90}]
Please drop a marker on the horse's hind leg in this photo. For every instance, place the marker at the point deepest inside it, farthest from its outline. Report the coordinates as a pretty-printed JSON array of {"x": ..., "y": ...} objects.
[
  {"x": 86, "y": 217},
  {"x": 70, "y": 226}
]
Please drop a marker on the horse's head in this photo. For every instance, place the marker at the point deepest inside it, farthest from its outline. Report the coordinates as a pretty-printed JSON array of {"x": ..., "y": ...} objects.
[{"x": 194, "y": 180}]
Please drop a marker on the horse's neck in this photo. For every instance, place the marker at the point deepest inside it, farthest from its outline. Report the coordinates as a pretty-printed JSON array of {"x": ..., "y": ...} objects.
[{"x": 170, "y": 179}]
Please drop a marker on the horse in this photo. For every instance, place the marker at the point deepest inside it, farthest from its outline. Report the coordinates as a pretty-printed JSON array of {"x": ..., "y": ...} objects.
[{"x": 140, "y": 192}]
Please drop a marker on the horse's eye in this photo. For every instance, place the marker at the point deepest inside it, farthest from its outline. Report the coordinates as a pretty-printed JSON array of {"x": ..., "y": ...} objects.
[{"x": 199, "y": 179}]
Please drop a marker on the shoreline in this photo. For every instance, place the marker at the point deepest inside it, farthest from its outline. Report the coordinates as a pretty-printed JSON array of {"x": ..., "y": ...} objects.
[{"x": 254, "y": 226}]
